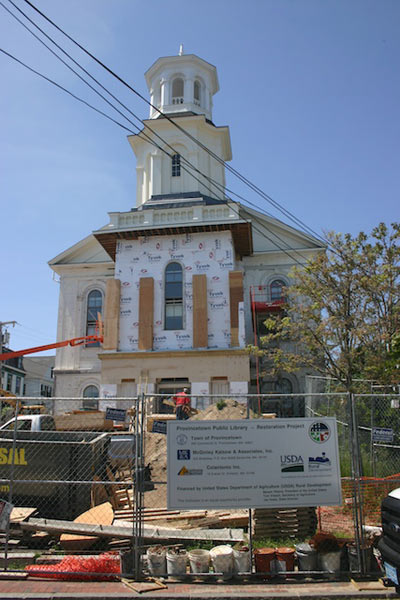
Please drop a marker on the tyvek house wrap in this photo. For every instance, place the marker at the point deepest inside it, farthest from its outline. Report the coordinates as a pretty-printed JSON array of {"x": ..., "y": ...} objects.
[{"x": 208, "y": 253}]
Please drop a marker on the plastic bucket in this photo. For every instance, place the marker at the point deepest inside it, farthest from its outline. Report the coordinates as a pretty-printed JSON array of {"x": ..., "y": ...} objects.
[
  {"x": 264, "y": 559},
  {"x": 307, "y": 557},
  {"x": 284, "y": 559},
  {"x": 241, "y": 560},
  {"x": 176, "y": 562},
  {"x": 156, "y": 561},
  {"x": 222, "y": 559},
  {"x": 329, "y": 561},
  {"x": 199, "y": 561},
  {"x": 354, "y": 566}
]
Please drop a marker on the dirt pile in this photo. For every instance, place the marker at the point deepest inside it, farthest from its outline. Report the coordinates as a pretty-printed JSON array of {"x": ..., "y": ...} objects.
[{"x": 224, "y": 409}]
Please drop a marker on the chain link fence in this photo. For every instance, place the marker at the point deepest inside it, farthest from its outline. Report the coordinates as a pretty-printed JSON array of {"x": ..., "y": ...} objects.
[{"x": 86, "y": 485}]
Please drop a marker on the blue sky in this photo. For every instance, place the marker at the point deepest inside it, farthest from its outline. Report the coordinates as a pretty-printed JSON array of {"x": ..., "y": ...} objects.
[{"x": 309, "y": 88}]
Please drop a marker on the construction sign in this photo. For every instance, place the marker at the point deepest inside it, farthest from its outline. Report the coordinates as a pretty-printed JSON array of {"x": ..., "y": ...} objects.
[{"x": 253, "y": 463}]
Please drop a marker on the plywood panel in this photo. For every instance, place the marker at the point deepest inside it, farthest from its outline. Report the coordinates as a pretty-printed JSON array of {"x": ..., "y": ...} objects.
[
  {"x": 200, "y": 317},
  {"x": 146, "y": 313},
  {"x": 111, "y": 314},
  {"x": 235, "y": 296},
  {"x": 102, "y": 514}
]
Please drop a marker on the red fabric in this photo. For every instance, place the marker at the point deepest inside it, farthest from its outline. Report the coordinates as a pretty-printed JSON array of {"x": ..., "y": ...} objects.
[{"x": 181, "y": 398}]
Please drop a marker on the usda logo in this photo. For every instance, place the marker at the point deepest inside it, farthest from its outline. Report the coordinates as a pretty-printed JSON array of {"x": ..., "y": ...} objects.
[{"x": 319, "y": 432}]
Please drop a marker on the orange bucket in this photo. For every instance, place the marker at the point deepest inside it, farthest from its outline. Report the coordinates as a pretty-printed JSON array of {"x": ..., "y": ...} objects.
[
  {"x": 284, "y": 559},
  {"x": 264, "y": 559}
]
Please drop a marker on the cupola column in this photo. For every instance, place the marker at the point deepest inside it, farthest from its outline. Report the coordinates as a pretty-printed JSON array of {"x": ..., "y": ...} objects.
[
  {"x": 155, "y": 177},
  {"x": 164, "y": 92},
  {"x": 189, "y": 83}
]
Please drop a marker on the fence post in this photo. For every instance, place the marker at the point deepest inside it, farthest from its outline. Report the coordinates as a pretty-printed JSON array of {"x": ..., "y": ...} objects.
[
  {"x": 140, "y": 418},
  {"x": 356, "y": 475},
  {"x": 11, "y": 482}
]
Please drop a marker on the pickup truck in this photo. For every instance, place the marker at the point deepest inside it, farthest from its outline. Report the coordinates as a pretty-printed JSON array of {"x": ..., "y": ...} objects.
[{"x": 31, "y": 423}]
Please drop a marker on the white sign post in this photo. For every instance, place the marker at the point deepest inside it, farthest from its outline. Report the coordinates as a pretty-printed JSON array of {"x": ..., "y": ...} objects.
[{"x": 253, "y": 463}]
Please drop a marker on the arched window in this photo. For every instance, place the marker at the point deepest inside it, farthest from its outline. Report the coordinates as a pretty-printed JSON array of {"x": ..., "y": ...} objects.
[
  {"x": 94, "y": 306},
  {"x": 277, "y": 290},
  {"x": 177, "y": 91},
  {"x": 196, "y": 93},
  {"x": 176, "y": 165},
  {"x": 173, "y": 296},
  {"x": 90, "y": 398}
]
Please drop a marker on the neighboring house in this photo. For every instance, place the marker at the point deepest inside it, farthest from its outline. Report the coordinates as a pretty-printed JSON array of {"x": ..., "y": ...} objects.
[
  {"x": 12, "y": 374},
  {"x": 173, "y": 277},
  {"x": 39, "y": 379}
]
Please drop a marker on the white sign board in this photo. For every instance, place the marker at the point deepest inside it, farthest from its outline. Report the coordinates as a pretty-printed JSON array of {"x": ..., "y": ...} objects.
[{"x": 253, "y": 463}]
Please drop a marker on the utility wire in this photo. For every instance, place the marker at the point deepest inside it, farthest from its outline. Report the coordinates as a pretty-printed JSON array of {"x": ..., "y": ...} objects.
[
  {"x": 244, "y": 180},
  {"x": 141, "y": 133},
  {"x": 208, "y": 179}
]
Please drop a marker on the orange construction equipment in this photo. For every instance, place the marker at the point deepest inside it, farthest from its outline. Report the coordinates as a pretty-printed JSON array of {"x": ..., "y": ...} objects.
[{"x": 87, "y": 339}]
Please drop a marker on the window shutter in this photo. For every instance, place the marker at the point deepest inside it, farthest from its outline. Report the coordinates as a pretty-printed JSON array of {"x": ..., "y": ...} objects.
[
  {"x": 200, "y": 317},
  {"x": 235, "y": 296},
  {"x": 146, "y": 312},
  {"x": 111, "y": 314}
]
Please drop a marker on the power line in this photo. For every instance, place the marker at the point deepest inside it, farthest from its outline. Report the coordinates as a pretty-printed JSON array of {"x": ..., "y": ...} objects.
[
  {"x": 244, "y": 180},
  {"x": 141, "y": 133},
  {"x": 191, "y": 166}
]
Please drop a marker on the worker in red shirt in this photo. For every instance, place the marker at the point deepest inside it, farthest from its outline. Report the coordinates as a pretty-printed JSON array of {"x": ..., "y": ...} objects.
[{"x": 182, "y": 405}]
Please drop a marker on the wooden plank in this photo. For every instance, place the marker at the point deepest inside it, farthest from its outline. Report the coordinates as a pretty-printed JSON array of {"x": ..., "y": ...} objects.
[
  {"x": 200, "y": 317},
  {"x": 364, "y": 586},
  {"x": 102, "y": 514},
  {"x": 143, "y": 586},
  {"x": 146, "y": 313},
  {"x": 20, "y": 513},
  {"x": 111, "y": 314},
  {"x": 13, "y": 575},
  {"x": 83, "y": 422},
  {"x": 235, "y": 296}
]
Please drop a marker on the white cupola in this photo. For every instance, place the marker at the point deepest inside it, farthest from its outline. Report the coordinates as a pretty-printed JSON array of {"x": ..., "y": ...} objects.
[
  {"x": 182, "y": 84},
  {"x": 171, "y": 160}
]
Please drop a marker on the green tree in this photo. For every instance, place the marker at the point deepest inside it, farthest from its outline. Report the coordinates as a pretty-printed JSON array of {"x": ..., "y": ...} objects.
[{"x": 343, "y": 311}]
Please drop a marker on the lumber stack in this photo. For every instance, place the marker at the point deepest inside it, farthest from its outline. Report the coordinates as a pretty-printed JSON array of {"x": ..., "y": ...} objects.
[
  {"x": 83, "y": 421},
  {"x": 187, "y": 519},
  {"x": 284, "y": 522}
]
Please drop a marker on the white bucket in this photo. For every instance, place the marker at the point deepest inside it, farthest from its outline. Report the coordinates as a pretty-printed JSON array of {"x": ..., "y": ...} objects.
[
  {"x": 329, "y": 561},
  {"x": 222, "y": 559},
  {"x": 241, "y": 561},
  {"x": 176, "y": 562},
  {"x": 199, "y": 561},
  {"x": 156, "y": 561}
]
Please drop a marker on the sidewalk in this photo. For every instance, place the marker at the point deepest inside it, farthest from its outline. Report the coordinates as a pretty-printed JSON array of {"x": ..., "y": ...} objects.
[{"x": 46, "y": 589}]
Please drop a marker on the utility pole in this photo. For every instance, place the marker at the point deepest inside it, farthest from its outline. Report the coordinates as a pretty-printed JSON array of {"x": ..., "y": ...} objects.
[{"x": 4, "y": 340}]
